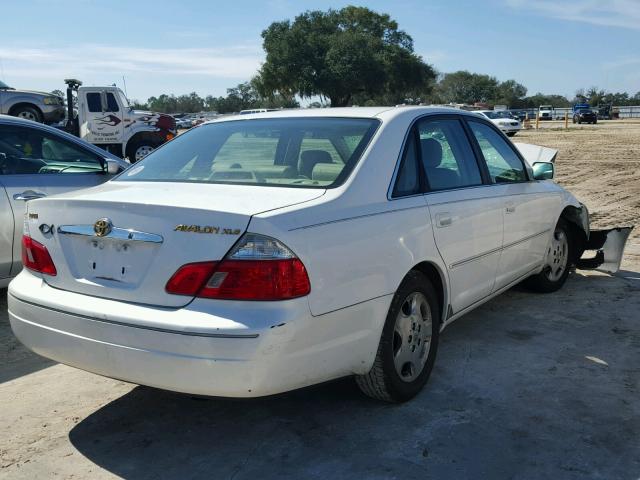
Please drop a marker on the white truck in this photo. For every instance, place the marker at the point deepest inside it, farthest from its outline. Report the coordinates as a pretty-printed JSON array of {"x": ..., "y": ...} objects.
[
  {"x": 545, "y": 112},
  {"x": 105, "y": 119}
]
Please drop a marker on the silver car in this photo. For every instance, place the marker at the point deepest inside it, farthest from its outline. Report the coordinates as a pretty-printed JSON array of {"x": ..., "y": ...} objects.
[{"x": 37, "y": 161}]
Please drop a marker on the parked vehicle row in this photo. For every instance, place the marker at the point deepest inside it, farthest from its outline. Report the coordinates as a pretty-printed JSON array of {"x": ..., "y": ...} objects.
[{"x": 258, "y": 254}]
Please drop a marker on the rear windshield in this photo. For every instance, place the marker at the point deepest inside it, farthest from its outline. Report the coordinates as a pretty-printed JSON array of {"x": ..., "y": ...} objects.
[{"x": 288, "y": 152}]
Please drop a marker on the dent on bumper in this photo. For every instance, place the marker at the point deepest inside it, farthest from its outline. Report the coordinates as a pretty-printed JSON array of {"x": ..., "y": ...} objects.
[{"x": 278, "y": 357}]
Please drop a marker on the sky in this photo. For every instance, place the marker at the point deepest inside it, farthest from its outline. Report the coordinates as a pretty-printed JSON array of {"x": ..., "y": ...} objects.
[{"x": 158, "y": 46}]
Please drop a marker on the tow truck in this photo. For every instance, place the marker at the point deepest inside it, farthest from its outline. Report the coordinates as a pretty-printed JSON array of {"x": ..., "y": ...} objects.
[{"x": 105, "y": 119}]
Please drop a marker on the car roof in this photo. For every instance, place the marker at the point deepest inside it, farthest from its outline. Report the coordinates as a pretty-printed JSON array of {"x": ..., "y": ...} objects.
[{"x": 385, "y": 113}]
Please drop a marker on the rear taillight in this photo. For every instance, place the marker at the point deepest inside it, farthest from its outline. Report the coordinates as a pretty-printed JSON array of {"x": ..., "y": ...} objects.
[
  {"x": 258, "y": 268},
  {"x": 35, "y": 256}
]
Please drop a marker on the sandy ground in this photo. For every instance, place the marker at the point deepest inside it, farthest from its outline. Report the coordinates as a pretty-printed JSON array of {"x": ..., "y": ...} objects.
[
  {"x": 526, "y": 386},
  {"x": 599, "y": 164}
]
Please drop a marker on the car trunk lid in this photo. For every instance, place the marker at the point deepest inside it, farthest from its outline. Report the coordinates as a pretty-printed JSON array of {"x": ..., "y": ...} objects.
[{"x": 125, "y": 240}]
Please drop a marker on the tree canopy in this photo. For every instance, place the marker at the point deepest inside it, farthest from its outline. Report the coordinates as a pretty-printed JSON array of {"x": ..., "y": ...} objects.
[{"x": 339, "y": 54}]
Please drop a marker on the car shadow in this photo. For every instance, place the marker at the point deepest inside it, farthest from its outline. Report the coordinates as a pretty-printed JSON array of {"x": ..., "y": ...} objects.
[
  {"x": 515, "y": 393},
  {"x": 15, "y": 359}
]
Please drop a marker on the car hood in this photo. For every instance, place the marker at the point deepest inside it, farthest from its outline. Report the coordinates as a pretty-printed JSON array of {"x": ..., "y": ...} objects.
[{"x": 32, "y": 92}]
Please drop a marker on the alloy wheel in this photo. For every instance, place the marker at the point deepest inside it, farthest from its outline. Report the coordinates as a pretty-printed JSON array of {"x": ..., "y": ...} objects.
[
  {"x": 557, "y": 256},
  {"x": 412, "y": 337}
]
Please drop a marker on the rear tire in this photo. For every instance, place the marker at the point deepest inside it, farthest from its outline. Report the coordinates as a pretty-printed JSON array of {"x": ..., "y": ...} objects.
[
  {"x": 408, "y": 345},
  {"x": 28, "y": 113},
  {"x": 559, "y": 257}
]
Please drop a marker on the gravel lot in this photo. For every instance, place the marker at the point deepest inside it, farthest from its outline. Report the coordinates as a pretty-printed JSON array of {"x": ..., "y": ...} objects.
[{"x": 527, "y": 386}]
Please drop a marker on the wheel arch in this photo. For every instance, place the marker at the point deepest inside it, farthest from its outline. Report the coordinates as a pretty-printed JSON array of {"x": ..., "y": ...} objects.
[
  {"x": 16, "y": 106},
  {"x": 578, "y": 220},
  {"x": 148, "y": 135},
  {"x": 438, "y": 279}
]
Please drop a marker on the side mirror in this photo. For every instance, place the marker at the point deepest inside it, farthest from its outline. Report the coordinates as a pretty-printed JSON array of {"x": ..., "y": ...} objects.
[
  {"x": 543, "y": 170},
  {"x": 113, "y": 168}
]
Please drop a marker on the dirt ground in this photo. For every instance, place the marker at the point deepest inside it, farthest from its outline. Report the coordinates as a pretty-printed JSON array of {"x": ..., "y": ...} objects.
[
  {"x": 526, "y": 386},
  {"x": 599, "y": 164}
]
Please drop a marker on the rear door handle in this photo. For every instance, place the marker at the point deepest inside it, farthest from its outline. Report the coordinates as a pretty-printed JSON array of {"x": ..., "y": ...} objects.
[
  {"x": 28, "y": 195},
  {"x": 443, "y": 219}
]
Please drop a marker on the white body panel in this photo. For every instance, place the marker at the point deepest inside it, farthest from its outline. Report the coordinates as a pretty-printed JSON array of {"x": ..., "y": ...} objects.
[
  {"x": 471, "y": 260},
  {"x": 356, "y": 244}
]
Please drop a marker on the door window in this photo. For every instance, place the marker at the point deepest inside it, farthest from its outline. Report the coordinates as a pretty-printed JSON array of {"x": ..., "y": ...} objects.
[
  {"x": 94, "y": 103},
  {"x": 503, "y": 163},
  {"x": 447, "y": 157},
  {"x": 112, "y": 104},
  {"x": 26, "y": 151}
]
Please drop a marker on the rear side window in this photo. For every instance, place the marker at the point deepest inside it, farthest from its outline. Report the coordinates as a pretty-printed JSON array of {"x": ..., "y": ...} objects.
[
  {"x": 446, "y": 155},
  {"x": 25, "y": 151},
  {"x": 408, "y": 178},
  {"x": 503, "y": 163}
]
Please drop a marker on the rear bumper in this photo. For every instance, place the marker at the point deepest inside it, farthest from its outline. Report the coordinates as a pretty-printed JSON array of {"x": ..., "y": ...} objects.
[{"x": 276, "y": 350}]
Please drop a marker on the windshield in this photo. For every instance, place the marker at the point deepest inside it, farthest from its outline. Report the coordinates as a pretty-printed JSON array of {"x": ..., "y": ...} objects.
[
  {"x": 124, "y": 100},
  {"x": 3, "y": 85},
  {"x": 287, "y": 152}
]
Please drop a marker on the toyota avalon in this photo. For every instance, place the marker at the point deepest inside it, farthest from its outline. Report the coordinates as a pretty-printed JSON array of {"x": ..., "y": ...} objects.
[{"x": 266, "y": 252}]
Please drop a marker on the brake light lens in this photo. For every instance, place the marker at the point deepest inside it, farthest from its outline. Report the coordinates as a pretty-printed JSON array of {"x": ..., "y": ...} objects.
[
  {"x": 189, "y": 278},
  {"x": 258, "y": 268},
  {"x": 35, "y": 256}
]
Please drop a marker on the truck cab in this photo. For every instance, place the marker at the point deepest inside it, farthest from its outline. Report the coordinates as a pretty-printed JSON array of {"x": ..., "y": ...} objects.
[
  {"x": 545, "y": 112},
  {"x": 106, "y": 119}
]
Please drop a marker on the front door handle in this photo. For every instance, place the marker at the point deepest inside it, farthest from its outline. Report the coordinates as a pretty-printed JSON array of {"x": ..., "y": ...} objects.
[
  {"x": 28, "y": 195},
  {"x": 443, "y": 219},
  {"x": 510, "y": 207}
]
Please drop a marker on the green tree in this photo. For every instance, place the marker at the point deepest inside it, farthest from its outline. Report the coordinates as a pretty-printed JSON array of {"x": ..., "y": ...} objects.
[
  {"x": 138, "y": 105},
  {"x": 164, "y": 103},
  {"x": 466, "y": 87},
  {"x": 339, "y": 54},
  {"x": 510, "y": 93},
  {"x": 538, "y": 99},
  {"x": 59, "y": 93}
]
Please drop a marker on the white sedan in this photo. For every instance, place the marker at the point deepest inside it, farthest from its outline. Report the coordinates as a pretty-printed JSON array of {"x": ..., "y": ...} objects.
[
  {"x": 503, "y": 120},
  {"x": 258, "y": 254}
]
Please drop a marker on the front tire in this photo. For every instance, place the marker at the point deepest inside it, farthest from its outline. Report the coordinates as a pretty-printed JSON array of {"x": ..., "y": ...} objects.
[
  {"x": 138, "y": 149},
  {"x": 557, "y": 261},
  {"x": 409, "y": 343},
  {"x": 28, "y": 113}
]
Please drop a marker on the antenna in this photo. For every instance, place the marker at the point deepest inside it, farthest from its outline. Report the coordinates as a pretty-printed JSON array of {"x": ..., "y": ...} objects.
[{"x": 125, "y": 87}]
